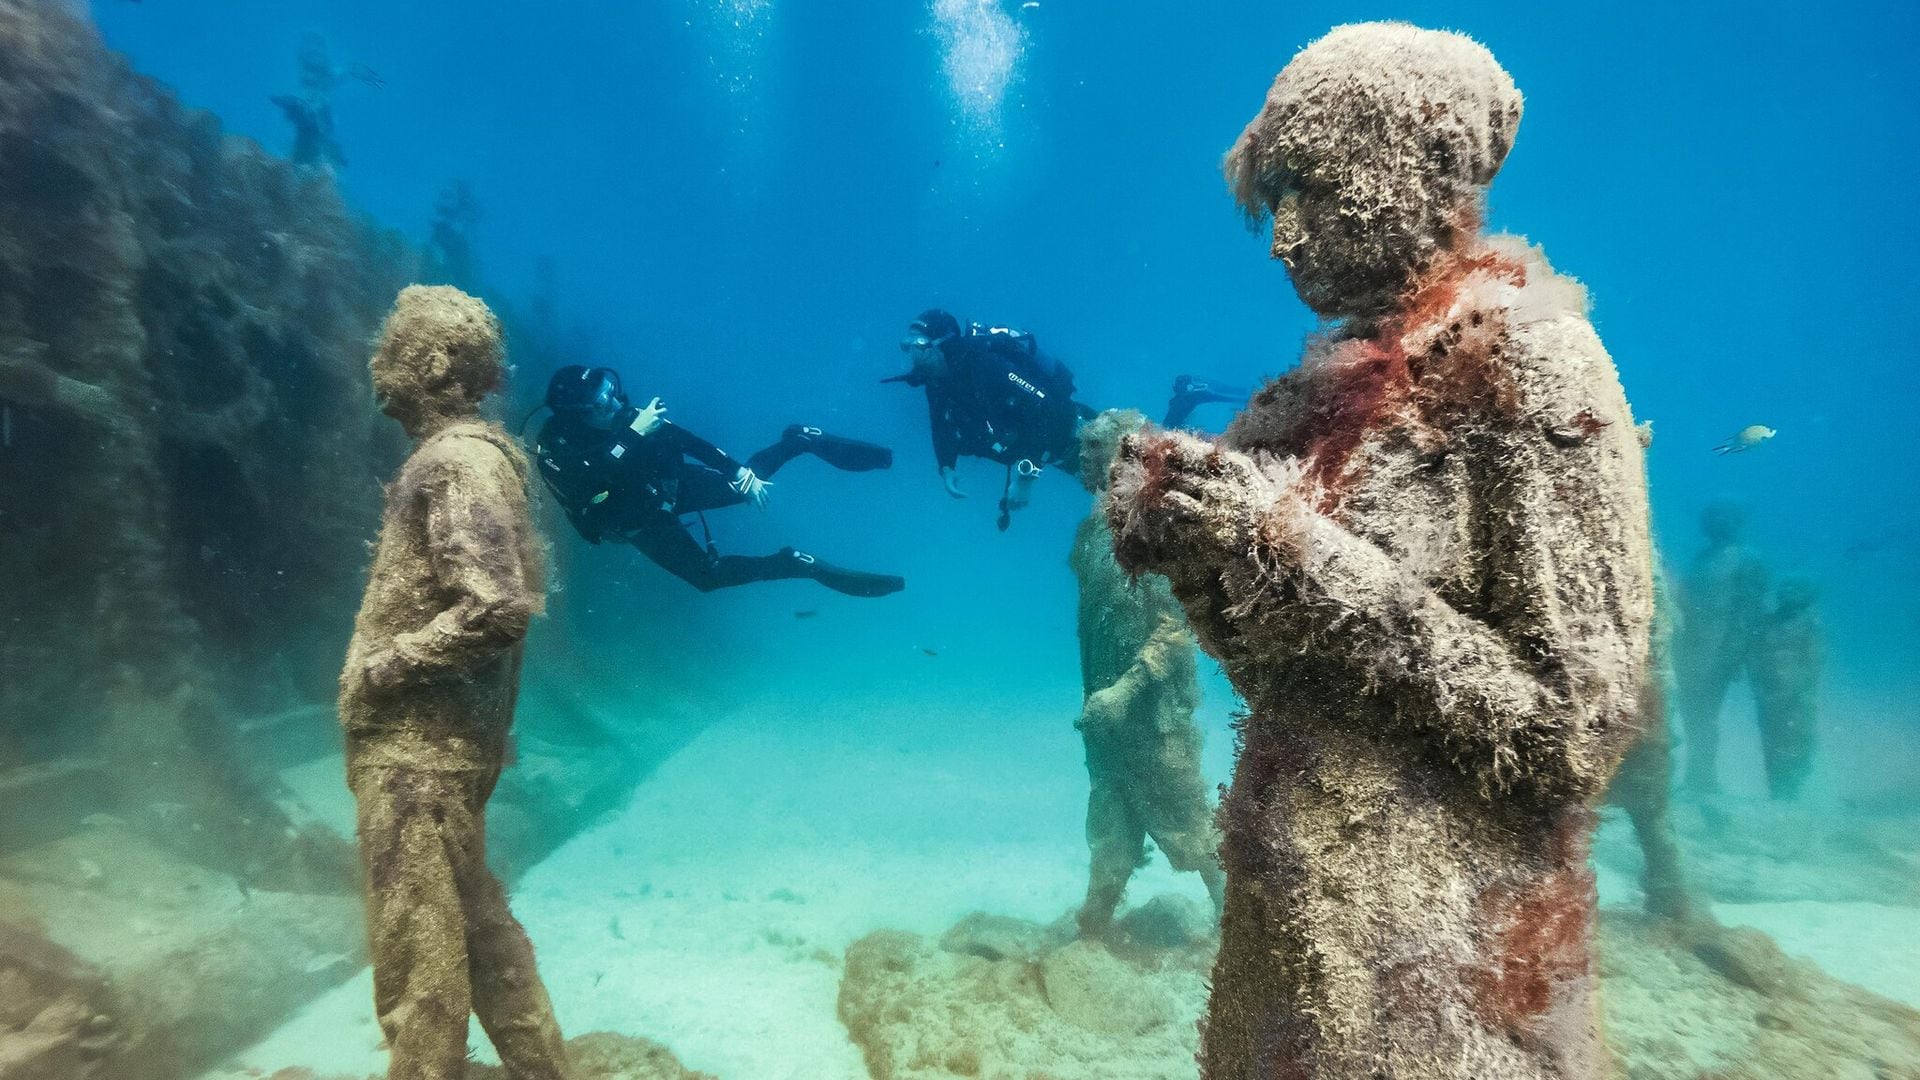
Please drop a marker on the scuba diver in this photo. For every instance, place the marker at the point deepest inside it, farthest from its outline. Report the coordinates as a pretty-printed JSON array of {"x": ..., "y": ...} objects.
[
  {"x": 624, "y": 472},
  {"x": 1190, "y": 393},
  {"x": 992, "y": 394}
]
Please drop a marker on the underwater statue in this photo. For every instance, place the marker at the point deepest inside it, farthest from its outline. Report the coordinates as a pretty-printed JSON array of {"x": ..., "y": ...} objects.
[
  {"x": 1423, "y": 559},
  {"x": 1644, "y": 785},
  {"x": 1137, "y": 660},
  {"x": 1724, "y": 601},
  {"x": 427, "y": 698},
  {"x": 310, "y": 112},
  {"x": 1785, "y": 669},
  {"x": 314, "y": 144}
]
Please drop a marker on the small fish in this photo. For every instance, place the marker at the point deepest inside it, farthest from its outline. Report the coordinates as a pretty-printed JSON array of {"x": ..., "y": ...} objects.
[
  {"x": 928, "y": 651},
  {"x": 367, "y": 75},
  {"x": 805, "y": 613},
  {"x": 1745, "y": 439},
  {"x": 613, "y": 927}
]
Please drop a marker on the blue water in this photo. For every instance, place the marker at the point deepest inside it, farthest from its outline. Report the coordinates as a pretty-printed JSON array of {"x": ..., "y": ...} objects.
[{"x": 743, "y": 202}]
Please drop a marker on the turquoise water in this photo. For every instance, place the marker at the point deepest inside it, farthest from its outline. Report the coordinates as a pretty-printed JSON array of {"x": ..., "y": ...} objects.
[
  {"x": 739, "y": 204},
  {"x": 744, "y": 201}
]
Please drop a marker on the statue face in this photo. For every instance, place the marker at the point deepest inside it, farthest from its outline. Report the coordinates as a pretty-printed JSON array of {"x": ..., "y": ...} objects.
[
  {"x": 392, "y": 388},
  {"x": 1342, "y": 262},
  {"x": 1370, "y": 154}
]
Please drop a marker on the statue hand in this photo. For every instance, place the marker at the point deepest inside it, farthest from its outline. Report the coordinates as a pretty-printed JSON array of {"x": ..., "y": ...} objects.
[{"x": 1177, "y": 498}]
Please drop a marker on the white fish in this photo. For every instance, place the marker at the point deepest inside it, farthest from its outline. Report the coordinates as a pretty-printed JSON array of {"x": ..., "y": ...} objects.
[{"x": 1745, "y": 439}]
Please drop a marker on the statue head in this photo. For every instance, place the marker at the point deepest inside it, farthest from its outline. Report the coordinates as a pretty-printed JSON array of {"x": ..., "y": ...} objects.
[
  {"x": 1722, "y": 523},
  {"x": 1371, "y": 157},
  {"x": 439, "y": 355},
  {"x": 1794, "y": 596},
  {"x": 1100, "y": 444}
]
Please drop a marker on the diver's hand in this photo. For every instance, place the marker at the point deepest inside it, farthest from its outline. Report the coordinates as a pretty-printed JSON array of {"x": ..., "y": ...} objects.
[
  {"x": 754, "y": 489},
  {"x": 648, "y": 418},
  {"x": 952, "y": 481}
]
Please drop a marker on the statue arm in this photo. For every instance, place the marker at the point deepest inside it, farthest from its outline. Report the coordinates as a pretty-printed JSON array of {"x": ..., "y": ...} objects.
[
  {"x": 1529, "y": 693},
  {"x": 1151, "y": 666},
  {"x": 476, "y": 537}
]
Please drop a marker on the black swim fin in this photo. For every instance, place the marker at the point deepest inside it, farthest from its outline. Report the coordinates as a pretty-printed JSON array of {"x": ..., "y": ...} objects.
[
  {"x": 851, "y": 455},
  {"x": 1190, "y": 393},
  {"x": 850, "y": 582}
]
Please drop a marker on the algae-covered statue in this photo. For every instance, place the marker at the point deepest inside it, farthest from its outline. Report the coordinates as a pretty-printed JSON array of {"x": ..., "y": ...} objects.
[
  {"x": 1423, "y": 559},
  {"x": 1643, "y": 786},
  {"x": 1724, "y": 603},
  {"x": 1786, "y": 683},
  {"x": 1137, "y": 661},
  {"x": 427, "y": 698}
]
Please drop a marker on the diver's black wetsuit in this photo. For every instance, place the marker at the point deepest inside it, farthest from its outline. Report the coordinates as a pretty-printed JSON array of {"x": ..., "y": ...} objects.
[
  {"x": 1003, "y": 400},
  {"x": 637, "y": 487}
]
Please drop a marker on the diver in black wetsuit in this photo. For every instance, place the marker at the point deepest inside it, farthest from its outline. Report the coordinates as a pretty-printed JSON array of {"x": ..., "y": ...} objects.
[
  {"x": 991, "y": 393},
  {"x": 622, "y": 471}
]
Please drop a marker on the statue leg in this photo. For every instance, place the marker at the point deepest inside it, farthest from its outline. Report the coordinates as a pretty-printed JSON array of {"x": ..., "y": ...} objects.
[
  {"x": 415, "y": 924},
  {"x": 508, "y": 996},
  {"x": 1115, "y": 838}
]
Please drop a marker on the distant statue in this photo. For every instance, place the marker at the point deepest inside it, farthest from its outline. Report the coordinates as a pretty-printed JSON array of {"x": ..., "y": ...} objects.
[
  {"x": 1644, "y": 785},
  {"x": 1785, "y": 669},
  {"x": 427, "y": 699},
  {"x": 1723, "y": 601},
  {"x": 449, "y": 258},
  {"x": 1137, "y": 662},
  {"x": 1422, "y": 557},
  {"x": 311, "y": 111}
]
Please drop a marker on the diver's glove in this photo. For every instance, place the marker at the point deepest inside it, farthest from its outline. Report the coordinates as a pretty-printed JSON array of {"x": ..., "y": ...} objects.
[
  {"x": 751, "y": 487},
  {"x": 952, "y": 481},
  {"x": 648, "y": 418}
]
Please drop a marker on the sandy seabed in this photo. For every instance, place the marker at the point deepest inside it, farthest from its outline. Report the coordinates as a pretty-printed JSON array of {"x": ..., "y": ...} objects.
[{"x": 712, "y": 913}]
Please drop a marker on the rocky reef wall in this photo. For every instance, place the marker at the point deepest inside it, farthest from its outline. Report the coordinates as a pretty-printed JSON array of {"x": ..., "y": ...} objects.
[
  {"x": 190, "y": 470},
  {"x": 190, "y": 465}
]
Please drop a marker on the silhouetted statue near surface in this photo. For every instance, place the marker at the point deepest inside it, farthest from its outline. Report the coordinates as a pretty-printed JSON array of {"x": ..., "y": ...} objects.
[
  {"x": 1137, "y": 661},
  {"x": 427, "y": 698},
  {"x": 1723, "y": 600},
  {"x": 1422, "y": 557}
]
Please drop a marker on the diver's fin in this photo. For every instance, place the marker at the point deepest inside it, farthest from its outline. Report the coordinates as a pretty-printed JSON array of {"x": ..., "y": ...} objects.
[
  {"x": 851, "y": 455},
  {"x": 850, "y": 582}
]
